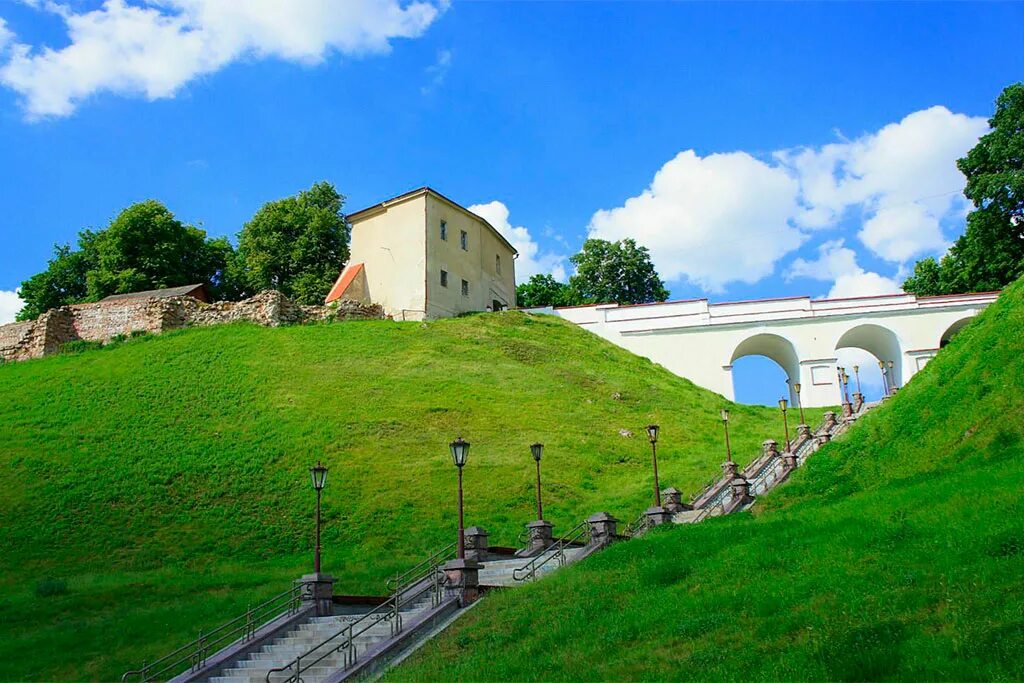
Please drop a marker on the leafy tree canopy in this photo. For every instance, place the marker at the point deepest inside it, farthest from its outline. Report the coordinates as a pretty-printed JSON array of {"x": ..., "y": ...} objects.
[
  {"x": 144, "y": 247},
  {"x": 296, "y": 245},
  {"x": 990, "y": 253},
  {"x": 544, "y": 290},
  {"x": 615, "y": 272}
]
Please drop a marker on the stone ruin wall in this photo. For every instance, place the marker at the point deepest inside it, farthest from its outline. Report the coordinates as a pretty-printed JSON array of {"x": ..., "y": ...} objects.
[{"x": 105, "y": 320}]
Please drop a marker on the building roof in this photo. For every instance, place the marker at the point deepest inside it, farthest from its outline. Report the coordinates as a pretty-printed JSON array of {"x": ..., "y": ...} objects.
[
  {"x": 158, "y": 293},
  {"x": 348, "y": 274},
  {"x": 355, "y": 216}
]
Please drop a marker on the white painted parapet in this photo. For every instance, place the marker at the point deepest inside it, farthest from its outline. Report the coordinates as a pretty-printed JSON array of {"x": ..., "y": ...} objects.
[{"x": 701, "y": 341}]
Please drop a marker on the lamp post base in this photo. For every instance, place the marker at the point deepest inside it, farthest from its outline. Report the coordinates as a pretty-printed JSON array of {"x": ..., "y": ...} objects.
[
  {"x": 463, "y": 577},
  {"x": 318, "y": 588}
]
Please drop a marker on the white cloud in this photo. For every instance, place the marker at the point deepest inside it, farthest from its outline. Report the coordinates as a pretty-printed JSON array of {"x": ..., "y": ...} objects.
[
  {"x": 731, "y": 217},
  {"x": 838, "y": 263},
  {"x": 438, "y": 71},
  {"x": 530, "y": 261},
  {"x": 154, "y": 47},
  {"x": 6, "y": 36},
  {"x": 902, "y": 180},
  {"x": 10, "y": 304},
  {"x": 710, "y": 220}
]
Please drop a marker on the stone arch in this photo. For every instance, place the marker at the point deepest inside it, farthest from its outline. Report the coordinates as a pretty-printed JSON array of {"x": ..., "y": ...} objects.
[
  {"x": 953, "y": 330},
  {"x": 773, "y": 347},
  {"x": 880, "y": 342}
]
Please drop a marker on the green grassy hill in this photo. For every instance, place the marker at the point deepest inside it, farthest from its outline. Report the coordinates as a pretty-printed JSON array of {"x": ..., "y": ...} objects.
[
  {"x": 898, "y": 552},
  {"x": 160, "y": 485}
]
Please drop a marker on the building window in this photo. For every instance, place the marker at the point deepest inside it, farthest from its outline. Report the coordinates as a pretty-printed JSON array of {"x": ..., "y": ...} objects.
[
  {"x": 444, "y": 278},
  {"x": 444, "y": 230},
  {"x": 497, "y": 264},
  {"x": 464, "y": 238},
  {"x": 465, "y": 288}
]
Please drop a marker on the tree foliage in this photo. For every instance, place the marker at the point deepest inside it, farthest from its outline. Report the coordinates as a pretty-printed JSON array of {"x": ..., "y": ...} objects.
[
  {"x": 544, "y": 290},
  {"x": 144, "y": 247},
  {"x": 296, "y": 245},
  {"x": 615, "y": 272},
  {"x": 990, "y": 253}
]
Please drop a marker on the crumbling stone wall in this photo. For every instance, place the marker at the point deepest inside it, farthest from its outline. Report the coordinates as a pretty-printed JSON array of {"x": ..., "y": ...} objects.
[{"x": 105, "y": 320}]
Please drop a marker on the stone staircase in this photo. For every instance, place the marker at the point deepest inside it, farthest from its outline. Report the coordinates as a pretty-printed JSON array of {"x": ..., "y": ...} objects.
[
  {"x": 320, "y": 637},
  {"x": 501, "y": 573}
]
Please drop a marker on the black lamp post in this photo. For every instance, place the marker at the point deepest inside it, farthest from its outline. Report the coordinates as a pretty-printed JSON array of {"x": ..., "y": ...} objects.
[
  {"x": 846, "y": 386},
  {"x": 796, "y": 388},
  {"x": 318, "y": 475},
  {"x": 537, "y": 450},
  {"x": 652, "y": 434},
  {"x": 856, "y": 374},
  {"x": 725, "y": 422},
  {"x": 892, "y": 374},
  {"x": 785, "y": 422},
  {"x": 460, "y": 449}
]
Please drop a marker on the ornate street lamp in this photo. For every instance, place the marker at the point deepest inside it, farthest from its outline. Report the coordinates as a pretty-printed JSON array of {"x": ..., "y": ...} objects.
[
  {"x": 846, "y": 386},
  {"x": 725, "y": 422},
  {"x": 460, "y": 450},
  {"x": 318, "y": 475},
  {"x": 796, "y": 388},
  {"x": 652, "y": 434},
  {"x": 885, "y": 380},
  {"x": 785, "y": 423},
  {"x": 892, "y": 374},
  {"x": 856, "y": 374},
  {"x": 537, "y": 450}
]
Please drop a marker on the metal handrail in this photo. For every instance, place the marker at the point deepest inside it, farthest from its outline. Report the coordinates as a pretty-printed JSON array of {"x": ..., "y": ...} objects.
[
  {"x": 707, "y": 487},
  {"x": 389, "y": 611},
  {"x": 528, "y": 571},
  {"x": 636, "y": 527},
  {"x": 403, "y": 578},
  {"x": 242, "y": 628}
]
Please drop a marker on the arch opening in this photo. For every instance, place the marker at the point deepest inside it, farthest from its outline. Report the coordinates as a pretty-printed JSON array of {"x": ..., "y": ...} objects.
[
  {"x": 865, "y": 346},
  {"x": 954, "y": 330},
  {"x": 763, "y": 368}
]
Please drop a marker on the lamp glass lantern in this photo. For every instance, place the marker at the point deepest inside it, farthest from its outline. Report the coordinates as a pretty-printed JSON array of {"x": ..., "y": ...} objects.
[
  {"x": 537, "y": 450},
  {"x": 652, "y": 433},
  {"x": 782, "y": 404},
  {"x": 460, "y": 451},
  {"x": 318, "y": 475},
  {"x": 725, "y": 415}
]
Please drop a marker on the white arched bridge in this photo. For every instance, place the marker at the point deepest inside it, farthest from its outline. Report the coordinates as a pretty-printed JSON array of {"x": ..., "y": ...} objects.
[{"x": 701, "y": 341}]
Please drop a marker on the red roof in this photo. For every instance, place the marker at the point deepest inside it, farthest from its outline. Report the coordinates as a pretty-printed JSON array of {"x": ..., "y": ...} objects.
[{"x": 344, "y": 280}]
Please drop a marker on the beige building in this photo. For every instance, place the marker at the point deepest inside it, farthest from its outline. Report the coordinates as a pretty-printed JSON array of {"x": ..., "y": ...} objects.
[{"x": 421, "y": 255}]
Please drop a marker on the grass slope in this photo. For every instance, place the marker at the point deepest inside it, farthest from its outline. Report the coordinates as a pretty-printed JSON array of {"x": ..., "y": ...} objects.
[
  {"x": 898, "y": 552},
  {"x": 164, "y": 480}
]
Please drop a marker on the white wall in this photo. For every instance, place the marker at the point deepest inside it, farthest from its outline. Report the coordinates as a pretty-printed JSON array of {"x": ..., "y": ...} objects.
[{"x": 700, "y": 341}]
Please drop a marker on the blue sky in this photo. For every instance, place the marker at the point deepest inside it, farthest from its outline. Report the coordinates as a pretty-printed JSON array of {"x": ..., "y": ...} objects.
[{"x": 758, "y": 149}]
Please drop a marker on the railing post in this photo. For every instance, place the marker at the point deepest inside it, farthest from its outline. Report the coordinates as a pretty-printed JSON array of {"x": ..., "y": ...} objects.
[
  {"x": 602, "y": 529},
  {"x": 476, "y": 543}
]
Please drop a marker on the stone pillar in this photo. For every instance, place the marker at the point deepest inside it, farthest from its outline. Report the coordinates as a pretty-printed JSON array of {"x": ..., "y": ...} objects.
[
  {"x": 830, "y": 421},
  {"x": 317, "y": 589},
  {"x": 740, "y": 490},
  {"x": 540, "y": 535},
  {"x": 463, "y": 577},
  {"x": 803, "y": 433},
  {"x": 602, "y": 528},
  {"x": 789, "y": 460},
  {"x": 729, "y": 469},
  {"x": 858, "y": 401},
  {"x": 672, "y": 499},
  {"x": 476, "y": 543},
  {"x": 847, "y": 409},
  {"x": 769, "y": 448},
  {"x": 823, "y": 438},
  {"x": 657, "y": 515}
]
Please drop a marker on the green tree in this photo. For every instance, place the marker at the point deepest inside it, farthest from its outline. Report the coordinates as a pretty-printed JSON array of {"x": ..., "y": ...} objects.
[
  {"x": 990, "y": 253},
  {"x": 615, "y": 272},
  {"x": 296, "y": 245},
  {"x": 63, "y": 281},
  {"x": 544, "y": 290},
  {"x": 146, "y": 247}
]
